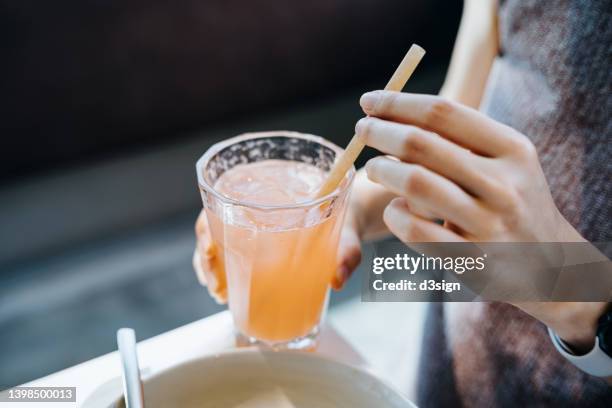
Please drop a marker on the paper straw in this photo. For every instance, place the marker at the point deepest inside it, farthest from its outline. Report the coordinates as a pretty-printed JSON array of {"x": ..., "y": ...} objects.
[{"x": 356, "y": 145}]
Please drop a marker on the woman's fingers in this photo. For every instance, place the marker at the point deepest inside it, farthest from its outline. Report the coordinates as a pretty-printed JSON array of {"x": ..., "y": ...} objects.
[
  {"x": 428, "y": 191},
  {"x": 415, "y": 145},
  {"x": 349, "y": 256},
  {"x": 458, "y": 123},
  {"x": 410, "y": 228},
  {"x": 205, "y": 262},
  {"x": 207, "y": 274}
]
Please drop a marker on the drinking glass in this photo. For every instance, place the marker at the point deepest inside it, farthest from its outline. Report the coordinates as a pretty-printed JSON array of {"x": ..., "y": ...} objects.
[{"x": 278, "y": 259}]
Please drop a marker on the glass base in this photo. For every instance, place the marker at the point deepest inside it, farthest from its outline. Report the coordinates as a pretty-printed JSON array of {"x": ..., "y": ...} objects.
[{"x": 308, "y": 342}]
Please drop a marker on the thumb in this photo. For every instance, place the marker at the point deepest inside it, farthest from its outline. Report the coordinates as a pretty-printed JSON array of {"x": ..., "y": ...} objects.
[{"x": 349, "y": 256}]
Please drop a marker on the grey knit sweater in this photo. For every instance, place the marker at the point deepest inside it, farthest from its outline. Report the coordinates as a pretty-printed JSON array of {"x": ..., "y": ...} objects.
[{"x": 553, "y": 82}]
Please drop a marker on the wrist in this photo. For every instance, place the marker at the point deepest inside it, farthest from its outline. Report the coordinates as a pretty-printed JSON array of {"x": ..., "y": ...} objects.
[{"x": 576, "y": 324}]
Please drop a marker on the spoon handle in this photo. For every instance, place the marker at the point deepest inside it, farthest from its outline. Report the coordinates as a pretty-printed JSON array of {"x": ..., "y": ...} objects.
[{"x": 132, "y": 385}]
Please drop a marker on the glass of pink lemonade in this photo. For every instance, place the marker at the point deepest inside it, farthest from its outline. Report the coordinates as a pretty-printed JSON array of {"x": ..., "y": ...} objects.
[{"x": 273, "y": 241}]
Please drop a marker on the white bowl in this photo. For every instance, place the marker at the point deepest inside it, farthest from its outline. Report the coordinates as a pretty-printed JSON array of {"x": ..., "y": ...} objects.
[{"x": 248, "y": 377}]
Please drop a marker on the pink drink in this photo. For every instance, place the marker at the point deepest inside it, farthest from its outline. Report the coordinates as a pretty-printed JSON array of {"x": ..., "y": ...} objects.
[{"x": 274, "y": 244}]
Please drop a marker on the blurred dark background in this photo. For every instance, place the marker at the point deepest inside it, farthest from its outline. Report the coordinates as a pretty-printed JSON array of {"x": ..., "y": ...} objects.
[{"x": 105, "y": 107}]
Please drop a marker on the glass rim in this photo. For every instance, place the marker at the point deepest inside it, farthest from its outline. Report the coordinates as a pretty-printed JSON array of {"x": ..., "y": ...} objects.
[{"x": 217, "y": 147}]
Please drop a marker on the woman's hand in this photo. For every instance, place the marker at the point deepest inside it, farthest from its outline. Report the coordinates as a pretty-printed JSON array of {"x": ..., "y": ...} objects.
[
  {"x": 363, "y": 221},
  {"x": 482, "y": 177},
  {"x": 456, "y": 164}
]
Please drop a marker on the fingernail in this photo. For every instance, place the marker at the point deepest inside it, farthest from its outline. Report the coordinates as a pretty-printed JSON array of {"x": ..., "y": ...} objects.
[
  {"x": 369, "y": 100},
  {"x": 359, "y": 126}
]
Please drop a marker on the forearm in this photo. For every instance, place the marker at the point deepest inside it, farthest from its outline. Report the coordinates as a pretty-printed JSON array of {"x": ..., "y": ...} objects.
[{"x": 475, "y": 49}]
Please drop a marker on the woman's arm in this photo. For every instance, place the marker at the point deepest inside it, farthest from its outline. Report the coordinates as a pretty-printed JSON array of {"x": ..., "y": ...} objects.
[{"x": 475, "y": 49}]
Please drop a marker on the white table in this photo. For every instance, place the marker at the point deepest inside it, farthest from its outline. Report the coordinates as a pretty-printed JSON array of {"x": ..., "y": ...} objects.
[{"x": 374, "y": 345}]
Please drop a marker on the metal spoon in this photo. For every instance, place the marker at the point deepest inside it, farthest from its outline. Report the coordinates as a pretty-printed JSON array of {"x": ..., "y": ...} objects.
[{"x": 132, "y": 384}]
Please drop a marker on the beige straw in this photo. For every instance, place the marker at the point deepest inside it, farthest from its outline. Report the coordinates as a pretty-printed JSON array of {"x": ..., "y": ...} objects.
[{"x": 356, "y": 145}]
